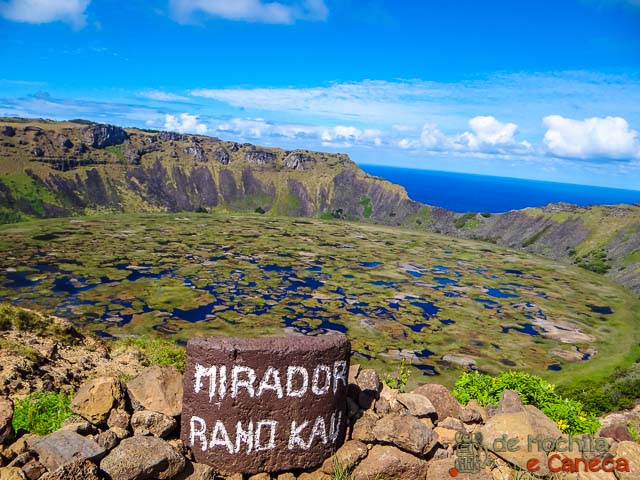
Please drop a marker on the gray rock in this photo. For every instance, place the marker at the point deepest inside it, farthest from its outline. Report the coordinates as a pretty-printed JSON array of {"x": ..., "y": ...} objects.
[
  {"x": 416, "y": 405},
  {"x": 222, "y": 156},
  {"x": 119, "y": 417},
  {"x": 158, "y": 388},
  {"x": 368, "y": 380},
  {"x": 444, "y": 403},
  {"x": 347, "y": 457},
  {"x": 146, "y": 422},
  {"x": 461, "y": 360},
  {"x": 261, "y": 158},
  {"x": 470, "y": 415},
  {"x": 96, "y": 398},
  {"x": 6, "y": 416},
  {"x": 405, "y": 432},
  {"x": 299, "y": 161},
  {"x": 196, "y": 471},
  {"x": 141, "y": 458},
  {"x": 452, "y": 424},
  {"x": 33, "y": 470},
  {"x": 101, "y": 136},
  {"x": 107, "y": 439},
  {"x": 64, "y": 446},
  {"x": 196, "y": 152},
  {"x": 390, "y": 462},
  {"x": 75, "y": 470},
  {"x": 510, "y": 403}
]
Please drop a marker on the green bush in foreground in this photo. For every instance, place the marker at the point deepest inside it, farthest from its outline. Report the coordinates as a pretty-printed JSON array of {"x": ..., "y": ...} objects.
[
  {"x": 570, "y": 415},
  {"x": 41, "y": 412}
]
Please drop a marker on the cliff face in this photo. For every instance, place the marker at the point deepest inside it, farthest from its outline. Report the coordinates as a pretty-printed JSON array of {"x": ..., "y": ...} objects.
[{"x": 50, "y": 169}]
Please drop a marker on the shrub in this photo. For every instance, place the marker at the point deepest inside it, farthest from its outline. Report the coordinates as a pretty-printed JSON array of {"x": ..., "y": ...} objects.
[
  {"x": 399, "y": 381},
  {"x": 570, "y": 415},
  {"x": 41, "y": 412},
  {"x": 467, "y": 220},
  {"x": 620, "y": 391}
]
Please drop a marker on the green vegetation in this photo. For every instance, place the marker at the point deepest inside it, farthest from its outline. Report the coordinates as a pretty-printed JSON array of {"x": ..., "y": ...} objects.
[
  {"x": 618, "y": 392},
  {"x": 41, "y": 412},
  {"x": 421, "y": 219},
  {"x": 467, "y": 220},
  {"x": 367, "y": 208},
  {"x": 157, "y": 351},
  {"x": 570, "y": 415},
  {"x": 28, "y": 191},
  {"x": 399, "y": 381},
  {"x": 26, "y": 320},
  {"x": 10, "y": 216},
  {"x": 339, "y": 471},
  {"x": 118, "y": 151},
  {"x": 596, "y": 261},
  {"x": 20, "y": 350},
  {"x": 632, "y": 257}
]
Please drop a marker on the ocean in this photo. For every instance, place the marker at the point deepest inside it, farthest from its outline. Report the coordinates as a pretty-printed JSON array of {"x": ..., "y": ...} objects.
[{"x": 463, "y": 192}]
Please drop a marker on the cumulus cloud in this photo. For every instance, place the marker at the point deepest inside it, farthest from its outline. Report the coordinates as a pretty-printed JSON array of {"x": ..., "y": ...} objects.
[
  {"x": 184, "y": 123},
  {"x": 45, "y": 11},
  {"x": 258, "y": 11},
  {"x": 591, "y": 138},
  {"x": 487, "y": 135}
]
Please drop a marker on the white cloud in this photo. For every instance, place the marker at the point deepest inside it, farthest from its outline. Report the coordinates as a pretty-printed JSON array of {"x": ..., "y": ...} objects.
[
  {"x": 184, "y": 123},
  {"x": 591, "y": 138},
  {"x": 432, "y": 138},
  {"x": 45, "y": 11},
  {"x": 340, "y": 135},
  {"x": 161, "y": 96},
  {"x": 487, "y": 135},
  {"x": 258, "y": 11},
  {"x": 450, "y": 105}
]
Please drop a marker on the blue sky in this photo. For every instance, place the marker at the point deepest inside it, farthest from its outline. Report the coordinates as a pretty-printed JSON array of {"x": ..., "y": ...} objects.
[{"x": 533, "y": 89}]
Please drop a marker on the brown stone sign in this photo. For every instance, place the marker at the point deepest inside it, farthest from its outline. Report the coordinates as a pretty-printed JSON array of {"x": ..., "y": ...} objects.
[{"x": 255, "y": 405}]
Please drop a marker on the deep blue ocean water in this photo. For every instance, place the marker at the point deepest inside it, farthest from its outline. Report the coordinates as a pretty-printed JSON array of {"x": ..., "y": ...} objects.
[{"x": 463, "y": 192}]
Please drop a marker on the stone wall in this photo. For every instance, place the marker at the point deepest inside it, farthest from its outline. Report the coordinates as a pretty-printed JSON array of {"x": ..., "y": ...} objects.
[{"x": 127, "y": 432}]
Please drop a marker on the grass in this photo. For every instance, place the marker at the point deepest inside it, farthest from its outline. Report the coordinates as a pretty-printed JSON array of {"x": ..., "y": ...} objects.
[
  {"x": 339, "y": 471},
  {"x": 20, "y": 350},
  {"x": 157, "y": 351},
  {"x": 41, "y": 412},
  {"x": 632, "y": 257},
  {"x": 26, "y": 189},
  {"x": 118, "y": 151},
  {"x": 17, "y": 318}
]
